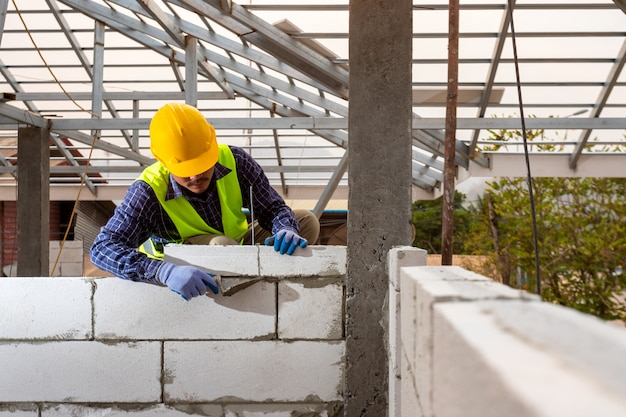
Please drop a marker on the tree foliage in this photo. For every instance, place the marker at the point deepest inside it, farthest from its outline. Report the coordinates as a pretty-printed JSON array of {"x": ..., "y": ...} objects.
[
  {"x": 427, "y": 219},
  {"x": 581, "y": 232}
]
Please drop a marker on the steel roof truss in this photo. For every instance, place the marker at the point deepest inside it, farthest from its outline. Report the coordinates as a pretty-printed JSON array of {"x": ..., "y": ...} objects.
[{"x": 614, "y": 73}]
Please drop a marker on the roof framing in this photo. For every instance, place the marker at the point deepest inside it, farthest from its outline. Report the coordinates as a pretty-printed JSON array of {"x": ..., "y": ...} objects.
[{"x": 94, "y": 71}]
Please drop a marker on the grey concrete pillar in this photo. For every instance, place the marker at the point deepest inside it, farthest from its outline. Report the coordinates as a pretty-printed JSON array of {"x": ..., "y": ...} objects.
[
  {"x": 379, "y": 205},
  {"x": 33, "y": 202}
]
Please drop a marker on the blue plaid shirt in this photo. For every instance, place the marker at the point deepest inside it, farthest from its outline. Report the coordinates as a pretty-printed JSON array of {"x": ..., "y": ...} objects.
[{"x": 141, "y": 216}]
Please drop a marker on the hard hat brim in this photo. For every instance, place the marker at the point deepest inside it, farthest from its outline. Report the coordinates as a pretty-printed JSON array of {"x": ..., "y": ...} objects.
[{"x": 195, "y": 166}]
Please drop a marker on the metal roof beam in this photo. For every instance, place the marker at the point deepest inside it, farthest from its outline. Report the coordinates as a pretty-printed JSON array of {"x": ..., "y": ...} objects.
[
  {"x": 291, "y": 120},
  {"x": 552, "y": 165},
  {"x": 496, "y": 56},
  {"x": 177, "y": 35},
  {"x": 603, "y": 97},
  {"x": 118, "y": 95},
  {"x": 332, "y": 185},
  {"x": 621, "y": 4},
  {"x": 323, "y": 123},
  {"x": 123, "y": 24},
  {"x": 75, "y": 44},
  {"x": 3, "y": 14},
  {"x": 276, "y": 42},
  {"x": 95, "y": 169},
  {"x": 231, "y": 47}
]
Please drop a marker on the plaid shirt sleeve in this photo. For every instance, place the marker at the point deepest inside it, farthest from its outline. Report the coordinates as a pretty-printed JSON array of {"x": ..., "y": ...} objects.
[{"x": 114, "y": 249}]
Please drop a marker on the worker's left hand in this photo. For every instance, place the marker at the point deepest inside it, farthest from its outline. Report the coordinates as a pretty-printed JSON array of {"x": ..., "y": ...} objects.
[{"x": 286, "y": 241}]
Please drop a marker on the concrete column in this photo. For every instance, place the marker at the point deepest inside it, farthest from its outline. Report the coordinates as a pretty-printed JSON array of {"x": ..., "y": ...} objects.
[
  {"x": 379, "y": 202},
  {"x": 33, "y": 202}
]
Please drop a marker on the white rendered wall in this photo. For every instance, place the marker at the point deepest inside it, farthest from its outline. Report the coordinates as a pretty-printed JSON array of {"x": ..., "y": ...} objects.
[
  {"x": 471, "y": 347},
  {"x": 95, "y": 347}
]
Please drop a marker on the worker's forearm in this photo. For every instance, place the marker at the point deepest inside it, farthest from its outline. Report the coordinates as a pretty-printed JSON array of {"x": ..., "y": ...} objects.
[{"x": 124, "y": 262}]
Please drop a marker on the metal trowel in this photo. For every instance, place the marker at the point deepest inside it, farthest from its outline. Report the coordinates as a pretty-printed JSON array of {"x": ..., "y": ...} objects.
[{"x": 239, "y": 284}]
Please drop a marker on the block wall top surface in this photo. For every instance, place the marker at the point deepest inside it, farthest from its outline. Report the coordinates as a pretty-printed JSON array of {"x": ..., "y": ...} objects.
[{"x": 261, "y": 260}]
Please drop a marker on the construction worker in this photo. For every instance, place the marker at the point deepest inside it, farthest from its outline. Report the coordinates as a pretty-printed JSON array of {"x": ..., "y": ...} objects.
[{"x": 194, "y": 194}]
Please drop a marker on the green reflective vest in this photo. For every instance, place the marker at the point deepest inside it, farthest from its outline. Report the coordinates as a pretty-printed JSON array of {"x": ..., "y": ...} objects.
[{"x": 186, "y": 219}]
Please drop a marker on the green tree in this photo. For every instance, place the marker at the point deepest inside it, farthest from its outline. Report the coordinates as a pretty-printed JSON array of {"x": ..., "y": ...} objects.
[
  {"x": 581, "y": 232},
  {"x": 581, "y": 228},
  {"x": 427, "y": 221}
]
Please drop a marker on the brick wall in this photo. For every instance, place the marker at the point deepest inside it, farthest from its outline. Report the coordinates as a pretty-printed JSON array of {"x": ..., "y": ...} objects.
[{"x": 93, "y": 347}]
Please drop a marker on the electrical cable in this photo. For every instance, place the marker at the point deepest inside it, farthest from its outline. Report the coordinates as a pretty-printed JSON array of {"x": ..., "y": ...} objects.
[{"x": 525, "y": 141}]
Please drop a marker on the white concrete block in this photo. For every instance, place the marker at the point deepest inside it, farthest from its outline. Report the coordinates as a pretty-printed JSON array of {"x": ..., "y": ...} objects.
[
  {"x": 72, "y": 251},
  {"x": 409, "y": 317},
  {"x": 284, "y": 410},
  {"x": 80, "y": 371},
  {"x": 398, "y": 258},
  {"x": 21, "y": 410},
  {"x": 582, "y": 342},
  {"x": 395, "y": 350},
  {"x": 56, "y": 244},
  {"x": 70, "y": 269},
  {"x": 45, "y": 308},
  {"x": 253, "y": 371},
  {"x": 442, "y": 284},
  {"x": 311, "y": 308},
  {"x": 126, "y": 410},
  {"x": 320, "y": 261},
  {"x": 410, "y": 403},
  {"x": 402, "y": 256},
  {"x": 223, "y": 260},
  {"x": 478, "y": 360},
  {"x": 248, "y": 314}
]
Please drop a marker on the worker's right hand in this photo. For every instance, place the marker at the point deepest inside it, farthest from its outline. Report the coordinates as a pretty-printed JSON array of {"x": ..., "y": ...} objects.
[
  {"x": 187, "y": 281},
  {"x": 286, "y": 241}
]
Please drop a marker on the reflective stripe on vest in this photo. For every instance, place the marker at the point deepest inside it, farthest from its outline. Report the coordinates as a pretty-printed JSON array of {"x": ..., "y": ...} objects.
[{"x": 186, "y": 219}]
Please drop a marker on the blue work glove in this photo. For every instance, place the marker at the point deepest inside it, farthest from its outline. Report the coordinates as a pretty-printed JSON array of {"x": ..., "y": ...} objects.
[
  {"x": 187, "y": 281},
  {"x": 286, "y": 241}
]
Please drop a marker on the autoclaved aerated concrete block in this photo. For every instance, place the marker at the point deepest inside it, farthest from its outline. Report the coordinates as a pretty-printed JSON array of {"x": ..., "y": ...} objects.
[
  {"x": 317, "y": 261},
  {"x": 23, "y": 410},
  {"x": 486, "y": 367},
  {"x": 310, "y": 308},
  {"x": 246, "y": 260},
  {"x": 248, "y": 314},
  {"x": 80, "y": 371},
  {"x": 124, "y": 410},
  {"x": 397, "y": 258},
  {"x": 404, "y": 256},
  {"x": 334, "y": 409},
  {"x": 253, "y": 371},
  {"x": 45, "y": 308},
  {"x": 68, "y": 269},
  {"x": 428, "y": 286},
  {"x": 224, "y": 260}
]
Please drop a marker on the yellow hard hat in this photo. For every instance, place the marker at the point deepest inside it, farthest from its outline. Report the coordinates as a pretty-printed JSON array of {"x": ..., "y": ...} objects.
[{"x": 182, "y": 140}]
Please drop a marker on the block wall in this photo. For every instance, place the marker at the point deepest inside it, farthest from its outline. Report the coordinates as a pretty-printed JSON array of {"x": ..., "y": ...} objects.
[
  {"x": 468, "y": 346},
  {"x": 106, "y": 346}
]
